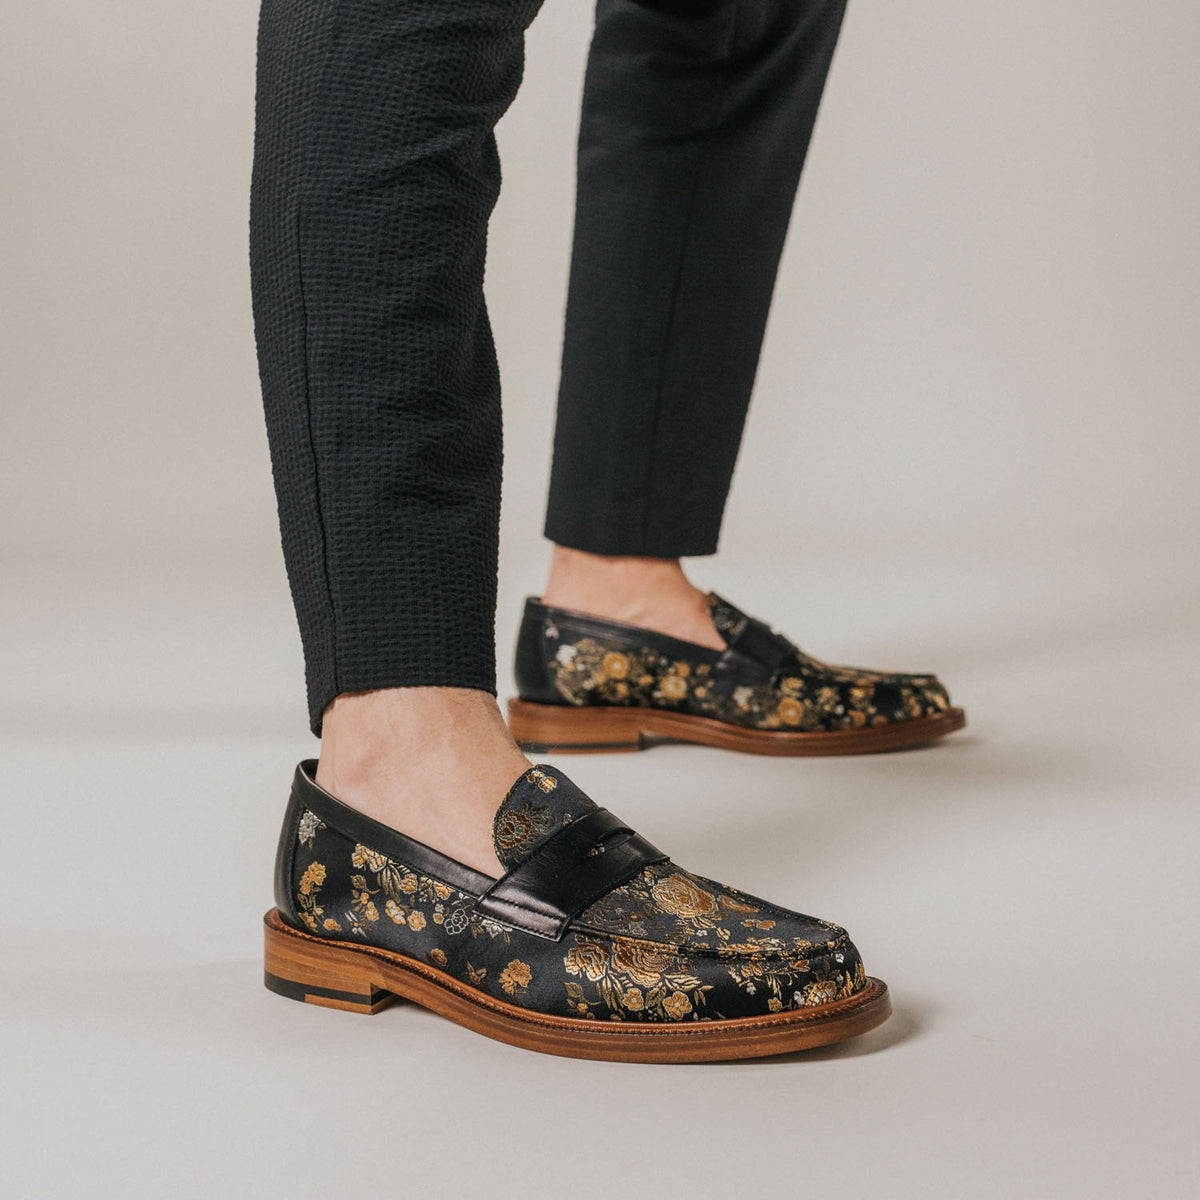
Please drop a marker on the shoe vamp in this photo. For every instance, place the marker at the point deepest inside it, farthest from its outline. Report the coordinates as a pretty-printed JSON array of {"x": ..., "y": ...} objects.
[{"x": 667, "y": 905}]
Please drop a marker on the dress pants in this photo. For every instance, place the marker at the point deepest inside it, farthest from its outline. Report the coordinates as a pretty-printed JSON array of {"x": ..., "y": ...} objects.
[{"x": 375, "y": 172}]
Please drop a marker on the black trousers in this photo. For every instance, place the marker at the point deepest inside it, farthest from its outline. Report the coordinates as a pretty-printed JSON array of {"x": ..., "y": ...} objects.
[{"x": 375, "y": 172}]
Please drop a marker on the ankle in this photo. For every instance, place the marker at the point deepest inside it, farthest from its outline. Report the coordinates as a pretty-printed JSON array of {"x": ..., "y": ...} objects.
[
  {"x": 434, "y": 763},
  {"x": 651, "y": 592}
]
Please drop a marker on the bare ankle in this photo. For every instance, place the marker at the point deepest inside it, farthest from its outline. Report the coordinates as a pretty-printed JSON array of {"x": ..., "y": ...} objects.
[
  {"x": 434, "y": 763},
  {"x": 651, "y": 592}
]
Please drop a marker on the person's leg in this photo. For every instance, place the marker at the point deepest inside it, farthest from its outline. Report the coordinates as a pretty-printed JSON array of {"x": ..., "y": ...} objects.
[
  {"x": 696, "y": 119},
  {"x": 375, "y": 172}
]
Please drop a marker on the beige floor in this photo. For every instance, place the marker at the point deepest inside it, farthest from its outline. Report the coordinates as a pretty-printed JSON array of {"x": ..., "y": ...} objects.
[{"x": 1029, "y": 889}]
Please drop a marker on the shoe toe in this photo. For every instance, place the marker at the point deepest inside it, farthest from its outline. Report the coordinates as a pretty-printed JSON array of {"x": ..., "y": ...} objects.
[{"x": 671, "y": 945}]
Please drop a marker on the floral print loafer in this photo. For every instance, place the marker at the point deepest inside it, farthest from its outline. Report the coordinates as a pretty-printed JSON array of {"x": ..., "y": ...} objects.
[
  {"x": 592, "y": 944},
  {"x": 586, "y": 684}
]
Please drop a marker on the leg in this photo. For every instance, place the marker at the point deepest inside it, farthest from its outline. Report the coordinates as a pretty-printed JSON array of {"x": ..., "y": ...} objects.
[
  {"x": 696, "y": 121},
  {"x": 374, "y": 176},
  {"x": 375, "y": 172}
]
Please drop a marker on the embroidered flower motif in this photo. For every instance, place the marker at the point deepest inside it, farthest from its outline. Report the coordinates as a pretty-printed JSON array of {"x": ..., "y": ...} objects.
[
  {"x": 633, "y": 1000},
  {"x": 456, "y": 922},
  {"x": 677, "y": 1006},
  {"x": 515, "y": 977},
  {"x": 437, "y": 957},
  {"x": 678, "y": 895},
  {"x": 674, "y": 687},
  {"x": 313, "y": 877},
  {"x": 513, "y": 828},
  {"x": 416, "y": 920},
  {"x": 615, "y": 665},
  {"x": 586, "y": 958},
  {"x": 546, "y": 782},
  {"x": 331, "y": 925},
  {"x": 364, "y": 856},
  {"x": 820, "y": 991},
  {"x": 517, "y": 828},
  {"x": 639, "y": 962},
  {"x": 307, "y": 829}
]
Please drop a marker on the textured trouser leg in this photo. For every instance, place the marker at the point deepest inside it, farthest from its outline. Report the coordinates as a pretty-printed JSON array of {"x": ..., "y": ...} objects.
[
  {"x": 375, "y": 172},
  {"x": 696, "y": 119}
]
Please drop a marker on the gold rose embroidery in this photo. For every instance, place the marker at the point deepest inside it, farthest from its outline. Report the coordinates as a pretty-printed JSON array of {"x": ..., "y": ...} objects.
[
  {"x": 587, "y": 958},
  {"x": 643, "y": 965},
  {"x": 515, "y": 977},
  {"x": 679, "y": 896}
]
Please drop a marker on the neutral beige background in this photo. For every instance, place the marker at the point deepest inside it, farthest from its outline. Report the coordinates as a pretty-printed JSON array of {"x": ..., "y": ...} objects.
[
  {"x": 985, "y": 322},
  {"x": 972, "y": 449}
]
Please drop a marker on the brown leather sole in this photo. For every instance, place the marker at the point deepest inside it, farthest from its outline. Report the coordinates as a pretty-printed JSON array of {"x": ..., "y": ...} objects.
[
  {"x": 545, "y": 728},
  {"x": 365, "y": 979}
]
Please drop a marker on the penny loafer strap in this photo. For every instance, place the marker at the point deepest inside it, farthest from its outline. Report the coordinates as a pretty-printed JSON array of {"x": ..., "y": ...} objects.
[
  {"x": 761, "y": 643},
  {"x": 583, "y": 861}
]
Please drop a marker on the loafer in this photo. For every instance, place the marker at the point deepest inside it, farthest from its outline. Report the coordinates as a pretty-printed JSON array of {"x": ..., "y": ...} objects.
[
  {"x": 585, "y": 683},
  {"x": 592, "y": 944}
]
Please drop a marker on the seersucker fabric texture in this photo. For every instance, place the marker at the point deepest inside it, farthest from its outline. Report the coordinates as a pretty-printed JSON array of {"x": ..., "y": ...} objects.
[{"x": 375, "y": 173}]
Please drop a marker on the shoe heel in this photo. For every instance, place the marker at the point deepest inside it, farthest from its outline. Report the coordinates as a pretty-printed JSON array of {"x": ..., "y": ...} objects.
[
  {"x": 302, "y": 968},
  {"x": 563, "y": 728}
]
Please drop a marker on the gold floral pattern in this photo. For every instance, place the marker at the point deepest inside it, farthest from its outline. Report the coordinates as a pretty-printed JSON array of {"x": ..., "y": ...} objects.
[
  {"x": 668, "y": 945},
  {"x": 516, "y": 977},
  {"x": 802, "y": 694},
  {"x": 309, "y": 911}
]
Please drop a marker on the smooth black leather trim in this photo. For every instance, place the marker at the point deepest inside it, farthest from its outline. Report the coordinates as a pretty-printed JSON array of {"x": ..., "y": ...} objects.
[
  {"x": 531, "y": 666},
  {"x": 369, "y": 832},
  {"x": 633, "y": 636},
  {"x": 285, "y": 857},
  {"x": 761, "y": 643},
  {"x": 545, "y": 892},
  {"x": 541, "y": 895}
]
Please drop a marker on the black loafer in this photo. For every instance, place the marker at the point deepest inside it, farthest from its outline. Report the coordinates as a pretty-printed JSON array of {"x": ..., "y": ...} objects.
[
  {"x": 585, "y": 683},
  {"x": 593, "y": 944}
]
